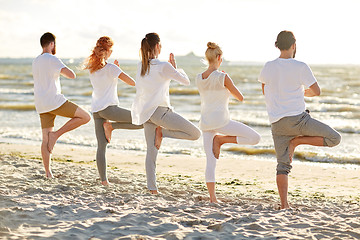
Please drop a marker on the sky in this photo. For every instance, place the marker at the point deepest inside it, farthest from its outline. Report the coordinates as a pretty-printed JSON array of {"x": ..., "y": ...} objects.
[{"x": 327, "y": 31}]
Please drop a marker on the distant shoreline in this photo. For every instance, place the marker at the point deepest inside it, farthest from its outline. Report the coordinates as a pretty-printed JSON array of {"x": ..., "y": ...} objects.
[{"x": 181, "y": 60}]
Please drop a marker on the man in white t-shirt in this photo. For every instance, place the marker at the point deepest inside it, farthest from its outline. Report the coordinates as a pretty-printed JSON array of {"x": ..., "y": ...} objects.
[
  {"x": 49, "y": 102},
  {"x": 283, "y": 82}
]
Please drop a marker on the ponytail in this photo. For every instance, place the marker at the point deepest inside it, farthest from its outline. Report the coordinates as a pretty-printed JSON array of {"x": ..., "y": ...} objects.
[{"x": 147, "y": 51}]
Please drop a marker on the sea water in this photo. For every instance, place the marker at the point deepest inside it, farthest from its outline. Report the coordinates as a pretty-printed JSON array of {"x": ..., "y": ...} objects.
[{"x": 338, "y": 106}]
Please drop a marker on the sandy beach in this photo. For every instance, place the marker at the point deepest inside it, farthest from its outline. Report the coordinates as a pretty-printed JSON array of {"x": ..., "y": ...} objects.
[{"x": 325, "y": 198}]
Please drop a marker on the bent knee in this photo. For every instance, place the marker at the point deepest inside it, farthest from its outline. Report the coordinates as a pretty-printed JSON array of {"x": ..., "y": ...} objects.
[
  {"x": 85, "y": 117},
  {"x": 255, "y": 139},
  {"x": 196, "y": 134},
  {"x": 333, "y": 141}
]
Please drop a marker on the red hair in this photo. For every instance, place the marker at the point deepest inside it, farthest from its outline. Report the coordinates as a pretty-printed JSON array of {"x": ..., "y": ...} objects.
[{"x": 96, "y": 60}]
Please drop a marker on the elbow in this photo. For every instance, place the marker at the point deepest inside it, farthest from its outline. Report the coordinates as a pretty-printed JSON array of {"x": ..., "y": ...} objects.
[
  {"x": 318, "y": 93},
  {"x": 187, "y": 83}
]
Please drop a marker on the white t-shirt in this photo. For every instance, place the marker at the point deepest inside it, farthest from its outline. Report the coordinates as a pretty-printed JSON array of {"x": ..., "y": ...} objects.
[
  {"x": 152, "y": 89},
  {"x": 284, "y": 81},
  {"x": 47, "y": 90},
  {"x": 104, "y": 82},
  {"x": 214, "y": 101}
]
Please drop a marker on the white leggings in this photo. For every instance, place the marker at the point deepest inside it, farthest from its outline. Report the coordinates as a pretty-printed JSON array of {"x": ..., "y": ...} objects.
[{"x": 243, "y": 133}]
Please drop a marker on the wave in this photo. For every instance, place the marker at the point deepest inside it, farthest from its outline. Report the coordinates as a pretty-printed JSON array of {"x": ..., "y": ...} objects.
[
  {"x": 251, "y": 151},
  {"x": 8, "y": 77},
  {"x": 17, "y": 91},
  {"x": 89, "y": 93},
  {"x": 183, "y": 91},
  {"x": 302, "y": 156},
  {"x": 18, "y": 107}
]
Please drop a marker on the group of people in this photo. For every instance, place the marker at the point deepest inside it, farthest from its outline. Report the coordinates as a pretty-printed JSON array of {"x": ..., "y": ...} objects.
[{"x": 285, "y": 81}]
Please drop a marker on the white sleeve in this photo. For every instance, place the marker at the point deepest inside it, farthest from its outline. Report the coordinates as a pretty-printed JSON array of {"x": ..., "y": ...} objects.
[
  {"x": 262, "y": 75},
  {"x": 115, "y": 71},
  {"x": 175, "y": 74},
  {"x": 58, "y": 64},
  {"x": 307, "y": 76}
]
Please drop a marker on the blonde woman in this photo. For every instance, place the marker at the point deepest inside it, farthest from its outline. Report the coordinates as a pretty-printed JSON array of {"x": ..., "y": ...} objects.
[
  {"x": 152, "y": 107},
  {"x": 215, "y": 88},
  {"x": 104, "y": 105}
]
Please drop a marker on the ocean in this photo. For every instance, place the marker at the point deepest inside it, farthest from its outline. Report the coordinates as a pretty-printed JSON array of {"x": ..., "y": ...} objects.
[{"x": 338, "y": 106}]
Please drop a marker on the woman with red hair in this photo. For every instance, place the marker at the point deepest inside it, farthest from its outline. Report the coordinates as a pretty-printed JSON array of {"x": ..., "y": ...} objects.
[{"x": 104, "y": 104}]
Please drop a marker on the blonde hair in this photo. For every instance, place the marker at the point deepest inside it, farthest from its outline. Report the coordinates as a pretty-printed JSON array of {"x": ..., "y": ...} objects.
[
  {"x": 96, "y": 60},
  {"x": 147, "y": 51},
  {"x": 212, "y": 52}
]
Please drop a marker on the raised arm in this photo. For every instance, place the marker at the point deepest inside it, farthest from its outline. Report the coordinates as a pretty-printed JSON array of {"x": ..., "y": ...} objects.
[
  {"x": 67, "y": 72},
  {"x": 127, "y": 79},
  {"x": 124, "y": 77},
  {"x": 229, "y": 84},
  {"x": 313, "y": 90},
  {"x": 170, "y": 71}
]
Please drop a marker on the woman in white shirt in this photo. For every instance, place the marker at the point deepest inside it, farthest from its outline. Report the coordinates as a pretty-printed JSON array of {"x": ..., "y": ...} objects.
[
  {"x": 152, "y": 107},
  {"x": 215, "y": 88},
  {"x": 104, "y": 105}
]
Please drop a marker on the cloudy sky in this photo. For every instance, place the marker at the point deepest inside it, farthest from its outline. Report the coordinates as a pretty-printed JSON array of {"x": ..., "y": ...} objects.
[{"x": 326, "y": 31}]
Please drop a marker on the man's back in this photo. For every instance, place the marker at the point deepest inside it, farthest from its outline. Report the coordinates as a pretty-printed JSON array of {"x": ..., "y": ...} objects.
[
  {"x": 47, "y": 91},
  {"x": 284, "y": 81}
]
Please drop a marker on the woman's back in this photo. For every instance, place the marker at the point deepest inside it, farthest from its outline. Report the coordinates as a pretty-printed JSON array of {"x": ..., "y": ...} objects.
[{"x": 214, "y": 100}]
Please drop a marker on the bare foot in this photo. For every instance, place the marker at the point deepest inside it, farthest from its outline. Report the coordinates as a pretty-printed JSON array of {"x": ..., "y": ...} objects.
[
  {"x": 49, "y": 174},
  {"x": 216, "y": 146},
  {"x": 108, "y": 131},
  {"x": 291, "y": 150},
  {"x": 213, "y": 200},
  {"x": 51, "y": 141},
  {"x": 155, "y": 192},
  {"x": 285, "y": 206},
  {"x": 158, "y": 137},
  {"x": 105, "y": 183}
]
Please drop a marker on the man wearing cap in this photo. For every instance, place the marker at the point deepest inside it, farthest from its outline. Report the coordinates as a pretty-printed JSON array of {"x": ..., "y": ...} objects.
[{"x": 285, "y": 82}]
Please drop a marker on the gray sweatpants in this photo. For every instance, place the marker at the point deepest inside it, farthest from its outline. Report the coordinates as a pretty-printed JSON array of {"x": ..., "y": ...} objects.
[
  {"x": 174, "y": 126},
  {"x": 287, "y": 128},
  {"x": 122, "y": 118}
]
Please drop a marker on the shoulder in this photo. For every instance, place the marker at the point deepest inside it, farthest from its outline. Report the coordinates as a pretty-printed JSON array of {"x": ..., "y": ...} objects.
[
  {"x": 165, "y": 64},
  {"x": 36, "y": 59},
  {"x": 52, "y": 57},
  {"x": 55, "y": 60},
  {"x": 111, "y": 66},
  {"x": 271, "y": 63},
  {"x": 166, "y": 67},
  {"x": 297, "y": 62},
  {"x": 301, "y": 66},
  {"x": 219, "y": 75}
]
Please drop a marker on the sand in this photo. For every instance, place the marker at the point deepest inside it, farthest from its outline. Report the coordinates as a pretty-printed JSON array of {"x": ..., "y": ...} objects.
[{"x": 324, "y": 198}]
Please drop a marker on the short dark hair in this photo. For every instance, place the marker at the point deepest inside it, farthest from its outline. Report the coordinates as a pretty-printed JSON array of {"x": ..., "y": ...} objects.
[
  {"x": 284, "y": 40},
  {"x": 46, "y": 39}
]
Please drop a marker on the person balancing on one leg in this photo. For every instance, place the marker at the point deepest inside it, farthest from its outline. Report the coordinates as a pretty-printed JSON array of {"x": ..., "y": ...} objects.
[
  {"x": 283, "y": 82},
  {"x": 49, "y": 102}
]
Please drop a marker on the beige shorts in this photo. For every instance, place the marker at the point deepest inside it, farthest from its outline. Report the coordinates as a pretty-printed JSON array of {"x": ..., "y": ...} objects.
[{"x": 66, "y": 110}]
